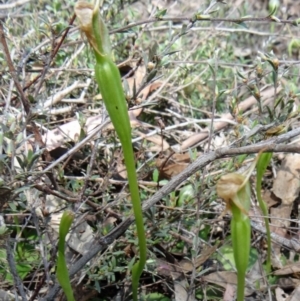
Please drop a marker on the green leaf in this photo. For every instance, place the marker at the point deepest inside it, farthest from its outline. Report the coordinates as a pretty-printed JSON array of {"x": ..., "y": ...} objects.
[
  {"x": 185, "y": 195},
  {"x": 156, "y": 297},
  {"x": 155, "y": 175},
  {"x": 160, "y": 13},
  {"x": 226, "y": 257},
  {"x": 273, "y": 7}
]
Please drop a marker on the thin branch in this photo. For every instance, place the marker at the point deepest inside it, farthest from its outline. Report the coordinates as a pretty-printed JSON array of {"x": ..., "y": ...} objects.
[
  {"x": 13, "y": 270},
  {"x": 292, "y": 244},
  {"x": 79, "y": 145},
  {"x": 199, "y": 18},
  {"x": 13, "y": 72},
  {"x": 52, "y": 56},
  {"x": 13, "y": 4},
  {"x": 44, "y": 188},
  {"x": 54, "y": 53}
]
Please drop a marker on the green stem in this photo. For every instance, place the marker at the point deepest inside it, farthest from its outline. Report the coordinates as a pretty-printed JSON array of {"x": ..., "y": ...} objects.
[
  {"x": 241, "y": 242},
  {"x": 241, "y": 286},
  {"x": 261, "y": 167},
  {"x": 138, "y": 213},
  {"x": 109, "y": 81},
  {"x": 110, "y": 85},
  {"x": 62, "y": 273}
]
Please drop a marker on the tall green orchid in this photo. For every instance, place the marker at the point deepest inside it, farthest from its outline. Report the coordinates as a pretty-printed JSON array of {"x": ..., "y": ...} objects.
[
  {"x": 262, "y": 164},
  {"x": 109, "y": 81},
  {"x": 62, "y": 273},
  {"x": 235, "y": 189}
]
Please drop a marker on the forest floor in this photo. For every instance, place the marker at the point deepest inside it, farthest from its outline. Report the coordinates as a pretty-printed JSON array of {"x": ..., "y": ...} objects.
[{"x": 209, "y": 85}]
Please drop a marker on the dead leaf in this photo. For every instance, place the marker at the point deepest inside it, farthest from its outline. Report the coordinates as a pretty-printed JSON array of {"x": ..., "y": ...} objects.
[
  {"x": 295, "y": 296},
  {"x": 164, "y": 268},
  {"x": 173, "y": 169},
  {"x": 229, "y": 294},
  {"x": 137, "y": 78},
  {"x": 187, "y": 266},
  {"x": 180, "y": 291},
  {"x": 286, "y": 188},
  {"x": 292, "y": 268},
  {"x": 280, "y": 294},
  {"x": 222, "y": 278},
  {"x": 109, "y": 221},
  {"x": 81, "y": 238},
  {"x": 279, "y": 225},
  {"x": 135, "y": 82},
  {"x": 255, "y": 275},
  {"x": 128, "y": 250},
  {"x": 173, "y": 165},
  {"x": 286, "y": 185},
  {"x": 270, "y": 198},
  {"x": 288, "y": 282},
  {"x": 70, "y": 131},
  {"x": 225, "y": 278},
  {"x": 121, "y": 168},
  {"x": 135, "y": 113},
  {"x": 161, "y": 144}
]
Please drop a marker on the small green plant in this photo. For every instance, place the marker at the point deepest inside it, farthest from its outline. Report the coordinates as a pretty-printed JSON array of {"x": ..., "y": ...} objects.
[{"x": 62, "y": 273}]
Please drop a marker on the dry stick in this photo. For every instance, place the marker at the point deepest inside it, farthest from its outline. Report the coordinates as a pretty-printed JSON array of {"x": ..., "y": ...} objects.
[
  {"x": 13, "y": 270},
  {"x": 208, "y": 18},
  {"x": 292, "y": 244},
  {"x": 13, "y": 72},
  {"x": 53, "y": 54},
  {"x": 13, "y": 4},
  {"x": 89, "y": 171},
  {"x": 271, "y": 145},
  {"x": 47, "y": 264}
]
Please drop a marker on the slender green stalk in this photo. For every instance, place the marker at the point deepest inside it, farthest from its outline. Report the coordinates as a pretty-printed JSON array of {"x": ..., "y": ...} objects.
[
  {"x": 235, "y": 189},
  {"x": 241, "y": 242},
  {"x": 62, "y": 272},
  {"x": 110, "y": 85},
  {"x": 262, "y": 164}
]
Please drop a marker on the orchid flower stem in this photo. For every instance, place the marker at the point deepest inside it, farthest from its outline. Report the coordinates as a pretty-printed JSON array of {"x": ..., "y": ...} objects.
[
  {"x": 235, "y": 189},
  {"x": 261, "y": 167},
  {"x": 110, "y": 85},
  {"x": 62, "y": 273},
  {"x": 241, "y": 240}
]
